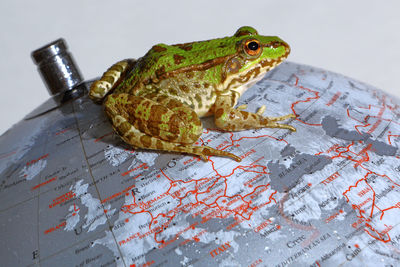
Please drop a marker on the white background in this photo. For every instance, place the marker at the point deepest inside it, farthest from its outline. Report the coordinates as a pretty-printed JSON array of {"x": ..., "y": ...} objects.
[{"x": 358, "y": 38}]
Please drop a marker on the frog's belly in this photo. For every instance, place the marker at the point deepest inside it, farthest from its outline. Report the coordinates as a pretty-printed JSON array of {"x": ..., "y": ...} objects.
[
  {"x": 201, "y": 103},
  {"x": 199, "y": 96}
]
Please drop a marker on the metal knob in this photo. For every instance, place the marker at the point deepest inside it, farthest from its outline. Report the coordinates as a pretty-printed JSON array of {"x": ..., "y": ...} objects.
[{"x": 57, "y": 67}]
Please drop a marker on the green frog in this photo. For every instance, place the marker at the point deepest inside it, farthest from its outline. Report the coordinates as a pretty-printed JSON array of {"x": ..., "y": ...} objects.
[{"x": 156, "y": 101}]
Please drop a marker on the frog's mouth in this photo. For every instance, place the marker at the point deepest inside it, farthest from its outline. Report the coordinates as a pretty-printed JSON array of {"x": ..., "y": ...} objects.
[{"x": 244, "y": 80}]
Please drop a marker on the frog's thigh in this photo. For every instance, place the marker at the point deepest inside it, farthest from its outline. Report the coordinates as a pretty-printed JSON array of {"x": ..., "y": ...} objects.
[
  {"x": 231, "y": 119},
  {"x": 127, "y": 125},
  {"x": 134, "y": 137},
  {"x": 174, "y": 122}
]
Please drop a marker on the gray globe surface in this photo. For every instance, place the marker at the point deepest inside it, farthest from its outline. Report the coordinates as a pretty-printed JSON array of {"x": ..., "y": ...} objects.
[{"x": 73, "y": 194}]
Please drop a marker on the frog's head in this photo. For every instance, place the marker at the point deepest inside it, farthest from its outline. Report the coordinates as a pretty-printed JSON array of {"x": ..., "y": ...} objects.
[{"x": 255, "y": 55}]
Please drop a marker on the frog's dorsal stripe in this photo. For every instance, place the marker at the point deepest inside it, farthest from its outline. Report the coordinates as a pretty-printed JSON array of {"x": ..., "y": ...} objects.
[{"x": 195, "y": 67}]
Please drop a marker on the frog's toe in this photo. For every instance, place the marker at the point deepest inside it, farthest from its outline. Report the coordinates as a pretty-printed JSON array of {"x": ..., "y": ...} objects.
[
  {"x": 209, "y": 151},
  {"x": 241, "y": 107},
  {"x": 282, "y": 118},
  {"x": 261, "y": 110}
]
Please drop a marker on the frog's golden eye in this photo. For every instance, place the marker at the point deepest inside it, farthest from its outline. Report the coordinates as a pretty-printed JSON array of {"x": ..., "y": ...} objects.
[{"x": 252, "y": 47}]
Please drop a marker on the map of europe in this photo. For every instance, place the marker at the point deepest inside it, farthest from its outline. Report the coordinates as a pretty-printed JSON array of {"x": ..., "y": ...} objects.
[{"x": 73, "y": 194}]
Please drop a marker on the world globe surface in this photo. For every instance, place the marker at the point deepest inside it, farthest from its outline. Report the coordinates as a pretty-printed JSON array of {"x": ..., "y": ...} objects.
[{"x": 73, "y": 194}]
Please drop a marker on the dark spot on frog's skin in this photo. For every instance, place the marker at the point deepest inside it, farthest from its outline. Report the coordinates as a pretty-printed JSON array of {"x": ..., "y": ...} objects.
[
  {"x": 145, "y": 140},
  {"x": 196, "y": 85},
  {"x": 155, "y": 80},
  {"x": 244, "y": 114},
  {"x": 158, "y": 48},
  {"x": 109, "y": 79},
  {"x": 264, "y": 121},
  {"x": 191, "y": 101},
  {"x": 206, "y": 151},
  {"x": 130, "y": 109},
  {"x": 178, "y": 59},
  {"x": 159, "y": 144},
  {"x": 156, "y": 112},
  {"x": 173, "y": 103},
  {"x": 172, "y": 91},
  {"x": 160, "y": 72},
  {"x": 184, "y": 88},
  {"x": 198, "y": 100},
  {"x": 174, "y": 123},
  {"x": 189, "y": 75},
  {"x": 206, "y": 85},
  {"x": 219, "y": 112},
  {"x": 153, "y": 128},
  {"x": 157, "y": 98},
  {"x": 130, "y": 136},
  {"x": 132, "y": 102},
  {"x": 146, "y": 103},
  {"x": 123, "y": 128},
  {"x": 186, "y": 46},
  {"x": 242, "y": 33}
]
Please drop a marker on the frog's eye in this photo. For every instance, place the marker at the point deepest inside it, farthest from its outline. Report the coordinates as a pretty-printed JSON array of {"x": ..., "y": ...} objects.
[{"x": 252, "y": 47}]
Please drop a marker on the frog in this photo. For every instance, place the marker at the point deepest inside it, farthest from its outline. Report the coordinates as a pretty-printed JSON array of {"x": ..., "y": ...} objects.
[{"x": 155, "y": 102}]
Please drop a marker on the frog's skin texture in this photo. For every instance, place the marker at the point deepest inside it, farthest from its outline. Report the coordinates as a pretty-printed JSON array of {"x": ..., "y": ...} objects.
[{"x": 155, "y": 102}]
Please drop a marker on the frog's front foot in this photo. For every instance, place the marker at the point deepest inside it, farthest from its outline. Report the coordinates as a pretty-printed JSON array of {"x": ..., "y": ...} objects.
[
  {"x": 236, "y": 119},
  {"x": 271, "y": 122},
  {"x": 100, "y": 88}
]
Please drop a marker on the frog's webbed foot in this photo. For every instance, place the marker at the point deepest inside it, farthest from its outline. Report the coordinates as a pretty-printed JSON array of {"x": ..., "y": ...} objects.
[
  {"x": 158, "y": 123},
  {"x": 110, "y": 79},
  {"x": 231, "y": 119}
]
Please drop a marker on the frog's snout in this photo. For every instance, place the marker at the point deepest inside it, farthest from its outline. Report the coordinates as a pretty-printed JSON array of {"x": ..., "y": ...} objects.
[
  {"x": 278, "y": 43},
  {"x": 287, "y": 47}
]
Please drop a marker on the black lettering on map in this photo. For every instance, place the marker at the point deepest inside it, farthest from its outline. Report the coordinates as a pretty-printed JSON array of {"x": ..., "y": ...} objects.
[
  {"x": 78, "y": 231},
  {"x": 135, "y": 191},
  {"x": 35, "y": 254}
]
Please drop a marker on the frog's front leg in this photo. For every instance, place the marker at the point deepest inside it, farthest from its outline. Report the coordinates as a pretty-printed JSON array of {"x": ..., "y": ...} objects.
[
  {"x": 159, "y": 123},
  {"x": 110, "y": 79},
  {"x": 231, "y": 119}
]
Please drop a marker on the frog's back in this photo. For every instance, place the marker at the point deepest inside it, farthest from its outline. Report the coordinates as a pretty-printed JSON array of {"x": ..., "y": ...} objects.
[
  {"x": 169, "y": 61},
  {"x": 179, "y": 56}
]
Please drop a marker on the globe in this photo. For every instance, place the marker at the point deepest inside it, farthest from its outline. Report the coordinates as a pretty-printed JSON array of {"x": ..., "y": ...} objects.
[{"x": 73, "y": 194}]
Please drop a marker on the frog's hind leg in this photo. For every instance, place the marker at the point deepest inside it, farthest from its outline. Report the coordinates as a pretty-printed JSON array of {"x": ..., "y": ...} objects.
[
  {"x": 110, "y": 79},
  {"x": 160, "y": 123}
]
